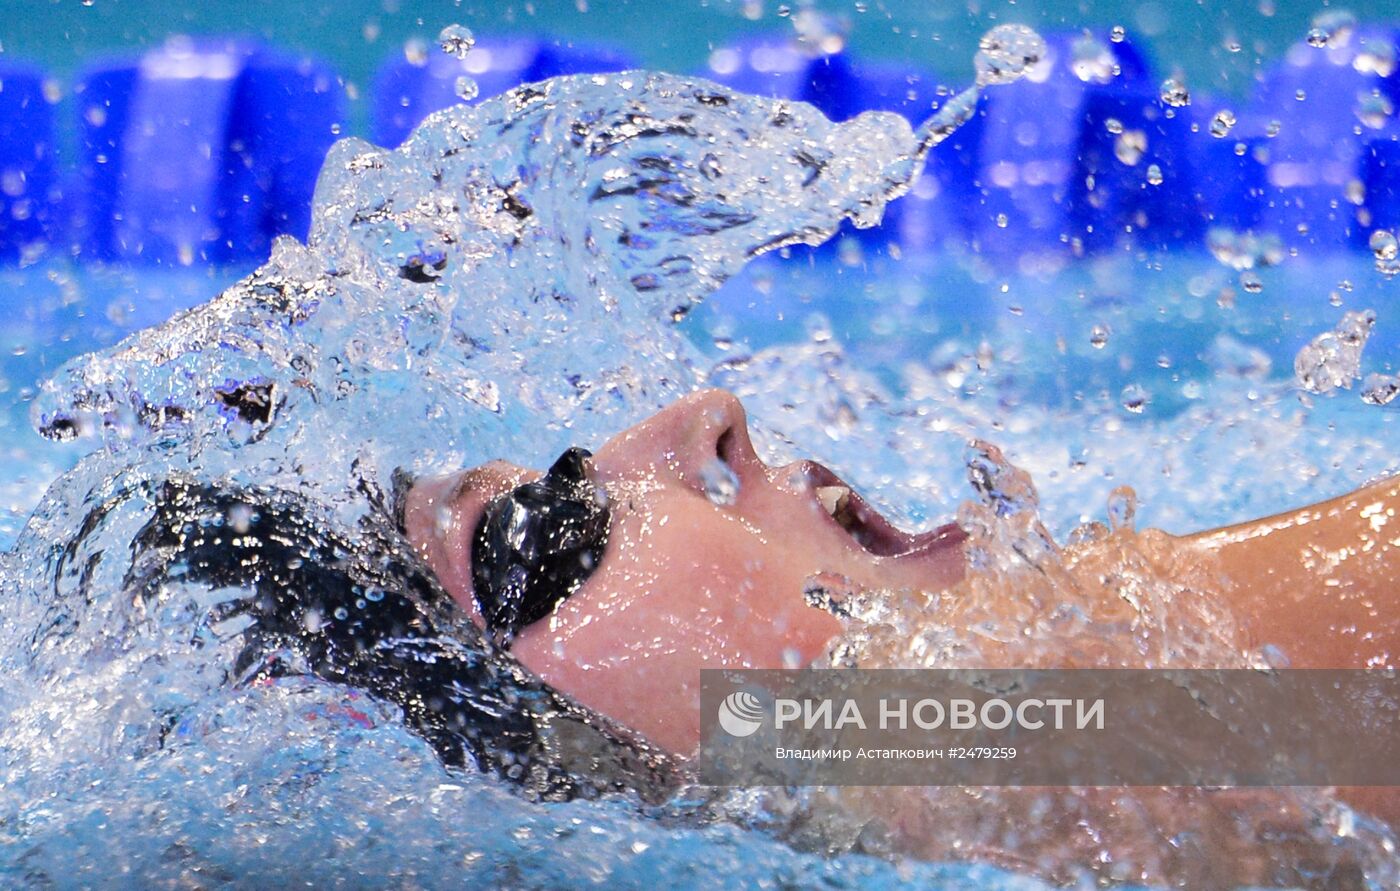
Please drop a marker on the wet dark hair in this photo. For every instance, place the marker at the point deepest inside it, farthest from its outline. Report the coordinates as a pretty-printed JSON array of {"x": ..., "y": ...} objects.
[{"x": 359, "y": 607}]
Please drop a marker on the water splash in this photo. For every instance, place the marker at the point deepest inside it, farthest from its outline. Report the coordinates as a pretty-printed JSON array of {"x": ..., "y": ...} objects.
[
  {"x": 1333, "y": 359},
  {"x": 1111, "y": 597},
  {"x": 1005, "y": 54},
  {"x": 505, "y": 283},
  {"x": 677, "y": 177}
]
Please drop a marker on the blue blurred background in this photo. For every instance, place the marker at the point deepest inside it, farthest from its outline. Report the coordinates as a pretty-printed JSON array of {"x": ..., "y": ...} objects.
[
  {"x": 357, "y": 35},
  {"x": 177, "y": 133}
]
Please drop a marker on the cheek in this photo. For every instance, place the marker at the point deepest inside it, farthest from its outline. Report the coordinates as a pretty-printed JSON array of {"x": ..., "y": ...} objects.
[
  {"x": 680, "y": 591},
  {"x": 700, "y": 580}
]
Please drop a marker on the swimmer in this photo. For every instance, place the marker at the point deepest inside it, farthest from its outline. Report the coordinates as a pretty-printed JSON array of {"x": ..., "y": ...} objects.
[
  {"x": 685, "y": 583},
  {"x": 550, "y": 628}
]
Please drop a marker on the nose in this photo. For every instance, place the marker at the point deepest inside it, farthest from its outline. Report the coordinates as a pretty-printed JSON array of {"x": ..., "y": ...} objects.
[{"x": 682, "y": 440}]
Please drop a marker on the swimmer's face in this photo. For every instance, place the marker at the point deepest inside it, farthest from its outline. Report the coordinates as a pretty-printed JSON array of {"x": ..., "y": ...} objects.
[{"x": 687, "y": 581}]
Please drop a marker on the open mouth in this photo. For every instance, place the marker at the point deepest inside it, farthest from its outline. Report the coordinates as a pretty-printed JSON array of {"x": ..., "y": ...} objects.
[{"x": 863, "y": 523}]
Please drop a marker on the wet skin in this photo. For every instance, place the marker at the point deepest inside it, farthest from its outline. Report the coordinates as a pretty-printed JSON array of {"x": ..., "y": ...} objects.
[{"x": 686, "y": 584}]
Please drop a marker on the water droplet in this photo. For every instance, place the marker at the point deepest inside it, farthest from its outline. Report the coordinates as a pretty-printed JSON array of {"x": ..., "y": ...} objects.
[
  {"x": 1374, "y": 110},
  {"x": 1006, "y": 53},
  {"x": 1376, "y": 57},
  {"x": 1134, "y": 399},
  {"x": 465, "y": 88},
  {"x": 720, "y": 481},
  {"x": 416, "y": 52},
  {"x": 1251, "y": 282},
  {"x": 1244, "y": 250},
  {"x": 1087, "y": 533},
  {"x": 1098, "y": 336},
  {"x": 1130, "y": 146},
  {"x": 1380, "y": 389},
  {"x": 456, "y": 40},
  {"x": 999, "y": 484},
  {"x": 1002, "y": 221},
  {"x": 1271, "y": 656},
  {"x": 1332, "y": 29},
  {"x": 1113, "y": 125},
  {"x": 239, "y": 518},
  {"x": 1229, "y": 357},
  {"x": 1384, "y": 245},
  {"x": 1333, "y": 358},
  {"x": 1222, "y": 123},
  {"x": 1122, "y": 509},
  {"x": 1174, "y": 93},
  {"x": 1093, "y": 62},
  {"x": 1356, "y": 192},
  {"x": 1118, "y": 34},
  {"x": 1154, "y": 175},
  {"x": 820, "y": 33},
  {"x": 1386, "y": 249}
]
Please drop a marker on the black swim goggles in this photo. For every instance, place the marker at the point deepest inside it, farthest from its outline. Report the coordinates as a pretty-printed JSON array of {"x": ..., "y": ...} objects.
[{"x": 537, "y": 544}]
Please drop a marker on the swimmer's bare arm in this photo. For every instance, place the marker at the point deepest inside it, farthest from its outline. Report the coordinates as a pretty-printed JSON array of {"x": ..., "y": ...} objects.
[{"x": 1320, "y": 582}]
